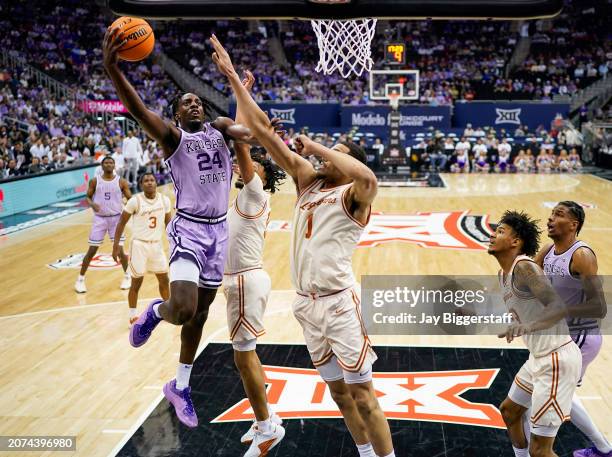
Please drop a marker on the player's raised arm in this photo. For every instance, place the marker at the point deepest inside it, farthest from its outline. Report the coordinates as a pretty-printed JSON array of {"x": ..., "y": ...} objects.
[
  {"x": 365, "y": 184},
  {"x": 166, "y": 134},
  {"x": 243, "y": 155},
  {"x": 584, "y": 263},
  {"x": 299, "y": 168}
]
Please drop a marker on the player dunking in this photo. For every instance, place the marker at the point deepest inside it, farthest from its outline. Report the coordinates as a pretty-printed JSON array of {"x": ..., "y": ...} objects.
[
  {"x": 247, "y": 286},
  {"x": 547, "y": 381},
  {"x": 571, "y": 266},
  {"x": 105, "y": 196},
  {"x": 199, "y": 160},
  {"x": 151, "y": 212},
  {"x": 332, "y": 209}
]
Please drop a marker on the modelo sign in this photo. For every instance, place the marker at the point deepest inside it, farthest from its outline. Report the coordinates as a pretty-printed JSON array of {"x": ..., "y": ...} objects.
[
  {"x": 298, "y": 115},
  {"x": 416, "y": 116}
]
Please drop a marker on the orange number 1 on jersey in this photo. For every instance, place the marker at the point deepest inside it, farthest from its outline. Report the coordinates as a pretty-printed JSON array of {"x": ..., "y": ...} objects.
[{"x": 309, "y": 227}]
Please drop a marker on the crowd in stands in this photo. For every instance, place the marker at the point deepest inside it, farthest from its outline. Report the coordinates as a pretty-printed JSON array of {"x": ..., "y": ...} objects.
[
  {"x": 40, "y": 132},
  {"x": 566, "y": 55},
  {"x": 484, "y": 150},
  {"x": 457, "y": 60}
]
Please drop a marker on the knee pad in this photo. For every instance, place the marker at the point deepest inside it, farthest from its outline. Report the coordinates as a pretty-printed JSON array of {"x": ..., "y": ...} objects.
[
  {"x": 182, "y": 269},
  {"x": 519, "y": 396},
  {"x": 245, "y": 346},
  {"x": 331, "y": 370},
  {"x": 358, "y": 377}
]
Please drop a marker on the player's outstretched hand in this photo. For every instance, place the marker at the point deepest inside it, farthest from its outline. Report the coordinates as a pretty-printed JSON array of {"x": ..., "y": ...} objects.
[
  {"x": 249, "y": 80},
  {"x": 222, "y": 58},
  {"x": 113, "y": 40}
]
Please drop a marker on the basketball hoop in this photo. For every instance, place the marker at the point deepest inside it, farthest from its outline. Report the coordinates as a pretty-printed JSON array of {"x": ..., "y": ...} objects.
[{"x": 344, "y": 45}]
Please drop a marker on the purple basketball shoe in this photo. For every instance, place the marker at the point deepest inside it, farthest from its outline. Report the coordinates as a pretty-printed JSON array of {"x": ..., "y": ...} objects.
[
  {"x": 144, "y": 326},
  {"x": 181, "y": 400},
  {"x": 591, "y": 452}
]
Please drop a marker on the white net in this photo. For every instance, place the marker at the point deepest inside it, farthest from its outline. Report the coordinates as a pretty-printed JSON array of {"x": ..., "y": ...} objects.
[{"x": 344, "y": 46}]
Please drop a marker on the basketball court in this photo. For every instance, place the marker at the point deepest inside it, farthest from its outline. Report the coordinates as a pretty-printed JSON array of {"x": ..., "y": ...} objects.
[{"x": 68, "y": 368}]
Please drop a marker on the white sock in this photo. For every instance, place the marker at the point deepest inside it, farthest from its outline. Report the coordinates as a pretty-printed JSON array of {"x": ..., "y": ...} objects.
[
  {"x": 127, "y": 274},
  {"x": 133, "y": 312},
  {"x": 366, "y": 450},
  {"x": 81, "y": 277},
  {"x": 521, "y": 452},
  {"x": 582, "y": 420},
  {"x": 265, "y": 426},
  {"x": 183, "y": 373},
  {"x": 156, "y": 310}
]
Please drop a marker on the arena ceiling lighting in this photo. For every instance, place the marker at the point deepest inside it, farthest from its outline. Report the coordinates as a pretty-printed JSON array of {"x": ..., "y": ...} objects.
[{"x": 337, "y": 9}]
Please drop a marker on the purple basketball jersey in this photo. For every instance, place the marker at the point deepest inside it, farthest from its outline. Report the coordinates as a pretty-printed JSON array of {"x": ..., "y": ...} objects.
[
  {"x": 109, "y": 196},
  {"x": 201, "y": 170},
  {"x": 569, "y": 288}
]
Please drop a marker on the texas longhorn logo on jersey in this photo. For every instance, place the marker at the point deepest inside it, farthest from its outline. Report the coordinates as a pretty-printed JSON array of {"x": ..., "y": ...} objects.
[
  {"x": 442, "y": 230},
  {"x": 297, "y": 393}
]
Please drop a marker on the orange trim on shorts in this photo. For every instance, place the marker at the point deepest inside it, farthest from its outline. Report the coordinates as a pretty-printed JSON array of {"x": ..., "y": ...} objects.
[
  {"x": 552, "y": 400},
  {"x": 362, "y": 356},
  {"x": 323, "y": 360},
  {"x": 522, "y": 386},
  {"x": 242, "y": 320},
  {"x": 242, "y": 271}
]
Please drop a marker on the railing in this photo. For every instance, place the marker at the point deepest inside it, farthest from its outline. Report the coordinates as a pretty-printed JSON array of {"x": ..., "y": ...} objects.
[
  {"x": 190, "y": 82},
  {"x": 21, "y": 125},
  {"x": 54, "y": 87}
]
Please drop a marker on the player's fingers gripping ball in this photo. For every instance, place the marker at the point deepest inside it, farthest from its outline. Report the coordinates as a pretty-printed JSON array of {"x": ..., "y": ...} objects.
[{"x": 138, "y": 36}]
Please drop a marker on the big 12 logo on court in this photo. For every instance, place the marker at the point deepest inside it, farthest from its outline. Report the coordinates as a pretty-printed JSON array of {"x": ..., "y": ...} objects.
[{"x": 298, "y": 393}]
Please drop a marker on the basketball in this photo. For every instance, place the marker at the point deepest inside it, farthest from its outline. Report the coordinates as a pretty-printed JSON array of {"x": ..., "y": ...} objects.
[{"x": 139, "y": 36}]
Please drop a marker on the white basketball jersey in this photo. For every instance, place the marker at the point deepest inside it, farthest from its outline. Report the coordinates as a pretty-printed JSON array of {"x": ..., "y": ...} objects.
[
  {"x": 527, "y": 308},
  {"x": 324, "y": 237},
  {"x": 247, "y": 218},
  {"x": 148, "y": 216}
]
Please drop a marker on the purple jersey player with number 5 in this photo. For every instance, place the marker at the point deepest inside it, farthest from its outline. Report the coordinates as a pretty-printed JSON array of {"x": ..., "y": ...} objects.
[{"x": 200, "y": 164}]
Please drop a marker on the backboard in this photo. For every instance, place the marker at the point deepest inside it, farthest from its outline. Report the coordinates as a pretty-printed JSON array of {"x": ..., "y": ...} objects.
[
  {"x": 336, "y": 9},
  {"x": 404, "y": 83}
]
